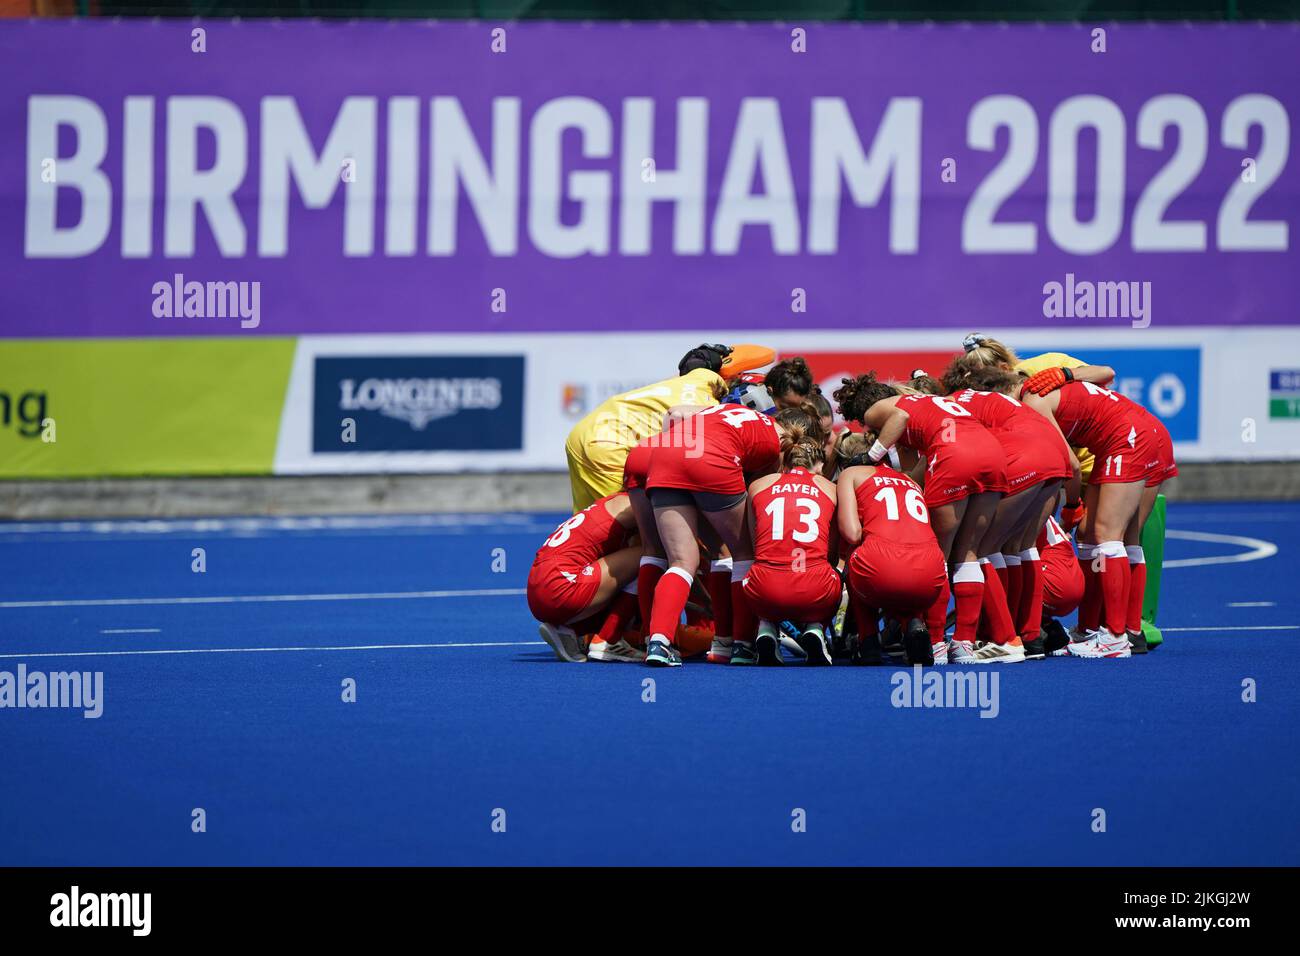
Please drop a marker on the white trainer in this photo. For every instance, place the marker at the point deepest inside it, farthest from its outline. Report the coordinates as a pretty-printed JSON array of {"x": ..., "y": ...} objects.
[
  {"x": 566, "y": 644},
  {"x": 720, "y": 651},
  {"x": 940, "y": 651},
  {"x": 1101, "y": 644},
  {"x": 991, "y": 653},
  {"x": 962, "y": 652},
  {"x": 619, "y": 652}
]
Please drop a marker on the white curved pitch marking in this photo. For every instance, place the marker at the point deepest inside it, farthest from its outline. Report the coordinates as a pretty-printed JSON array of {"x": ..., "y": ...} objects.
[{"x": 1259, "y": 549}]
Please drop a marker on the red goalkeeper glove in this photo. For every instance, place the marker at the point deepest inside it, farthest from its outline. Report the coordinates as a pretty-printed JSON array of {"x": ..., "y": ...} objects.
[
  {"x": 1048, "y": 380},
  {"x": 1072, "y": 516}
]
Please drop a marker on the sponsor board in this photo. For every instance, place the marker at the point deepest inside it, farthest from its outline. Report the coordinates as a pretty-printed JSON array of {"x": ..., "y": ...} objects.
[
  {"x": 103, "y": 407},
  {"x": 1284, "y": 394},
  {"x": 418, "y": 403}
]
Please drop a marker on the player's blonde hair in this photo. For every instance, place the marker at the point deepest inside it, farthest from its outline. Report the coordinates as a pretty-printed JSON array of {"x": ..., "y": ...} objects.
[{"x": 986, "y": 350}]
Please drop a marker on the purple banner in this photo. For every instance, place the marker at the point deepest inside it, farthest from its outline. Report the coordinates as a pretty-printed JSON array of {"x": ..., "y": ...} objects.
[{"x": 171, "y": 178}]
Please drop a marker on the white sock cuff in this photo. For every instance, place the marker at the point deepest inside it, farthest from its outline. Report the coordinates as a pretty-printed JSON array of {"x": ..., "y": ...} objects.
[
  {"x": 740, "y": 568},
  {"x": 721, "y": 564},
  {"x": 683, "y": 574},
  {"x": 1012, "y": 560},
  {"x": 997, "y": 560},
  {"x": 1030, "y": 554},
  {"x": 968, "y": 571},
  {"x": 983, "y": 561},
  {"x": 630, "y": 587},
  {"x": 1086, "y": 551},
  {"x": 1111, "y": 549},
  {"x": 657, "y": 562},
  {"x": 1135, "y": 554}
]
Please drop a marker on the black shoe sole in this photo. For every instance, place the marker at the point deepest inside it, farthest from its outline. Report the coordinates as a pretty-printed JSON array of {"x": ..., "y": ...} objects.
[
  {"x": 815, "y": 649},
  {"x": 769, "y": 651}
]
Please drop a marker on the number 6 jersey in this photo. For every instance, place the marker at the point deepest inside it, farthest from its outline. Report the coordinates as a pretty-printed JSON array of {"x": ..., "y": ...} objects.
[{"x": 713, "y": 450}]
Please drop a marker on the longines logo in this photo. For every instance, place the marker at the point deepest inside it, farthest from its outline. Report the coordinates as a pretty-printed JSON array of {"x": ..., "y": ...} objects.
[{"x": 419, "y": 401}]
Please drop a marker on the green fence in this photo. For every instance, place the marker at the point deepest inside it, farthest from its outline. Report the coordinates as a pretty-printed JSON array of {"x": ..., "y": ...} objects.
[{"x": 1087, "y": 10}]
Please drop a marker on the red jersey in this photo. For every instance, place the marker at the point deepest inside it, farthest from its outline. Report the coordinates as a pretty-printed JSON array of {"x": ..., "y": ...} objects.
[
  {"x": 892, "y": 506},
  {"x": 793, "y": 513},
  {"x": 962, "y": 456},
  {"x": 1096, "y": 418},
  {"x": 590, "y": 534},
  {"x": 934, "y": 422},
  {"x": 1035, "y": 450},
  {"x": 714, "y": 450}
]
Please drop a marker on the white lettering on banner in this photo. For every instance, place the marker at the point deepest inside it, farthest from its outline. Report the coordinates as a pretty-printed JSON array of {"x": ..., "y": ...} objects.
[
  {"x": 419, "y": 400},
  {"x": 762, "y": 194}
]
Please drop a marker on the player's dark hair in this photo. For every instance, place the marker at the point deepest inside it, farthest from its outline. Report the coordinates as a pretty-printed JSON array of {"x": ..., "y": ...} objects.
[
  {"x": 790, "y": 375},
  {"x": 856, "y": 395},
  {"x": 962, "y": 374},
  {"x": 805, "y": 422},
  {"x": 819, "y": 402}
]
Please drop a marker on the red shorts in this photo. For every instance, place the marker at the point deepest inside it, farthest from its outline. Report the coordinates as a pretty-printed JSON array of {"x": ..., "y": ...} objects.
[
  {"x": 963, "y": 469},
  {"x": 671, "y": 468},
  {"x": 1029, "y": 462},
  {"x": 636, "y": 467},
  {"x": 1166, "y": 446},
  {"x": 903, "y": 580},
  {"x": 1062, "y": 580},
  {"x": 1145, "y": 453},
  {"x": 558, "y": 592},
  {"x": 778, "y": 593}
]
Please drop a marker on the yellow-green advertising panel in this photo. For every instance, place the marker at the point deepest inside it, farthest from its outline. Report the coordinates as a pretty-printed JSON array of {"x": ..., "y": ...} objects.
[{"x": 87, "y": 407}]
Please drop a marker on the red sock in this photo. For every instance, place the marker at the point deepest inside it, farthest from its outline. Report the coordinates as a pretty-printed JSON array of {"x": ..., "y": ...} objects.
[
  {"x": 718, "y": 584},
  {"x": 1114, "y": 586},
  {"x": 744, "y": 625},
  {"x": 995, "y": 603},
  {"x": 968, "y": 590},
  {"x": 620, "y": 612},
  {"x": 1003, "y": 573},
  {"x": 1015, "y": 579},
  {"x": 936, "y": 618},
  {"x": 1090, "y": 606},
  {"x": 1029, "y": 611},
  {"x": 669, "y": 601},
  {"x": 647, "y": 576},
  {"x": 1137, "y": 587}
]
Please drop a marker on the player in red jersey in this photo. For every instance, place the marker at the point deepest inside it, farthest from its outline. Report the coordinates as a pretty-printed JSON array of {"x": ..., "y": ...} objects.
[
  {"x": 1038, "y": 461},
  {"x": 1134, "y": 456},
  {"x": 964, "y": 480},
  {"x": 897, "y": 567},
  {"x": 1062, "y": 582},
  {"x": 699, "y": 469},
  {"x": 584, "y": 568},
  {"x": 793, "y": 577},
  {"x": 654, "y": 562}
]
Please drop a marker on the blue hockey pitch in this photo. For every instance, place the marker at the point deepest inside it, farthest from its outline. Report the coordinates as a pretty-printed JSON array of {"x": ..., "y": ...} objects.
[{"x": 223, "y": 691}]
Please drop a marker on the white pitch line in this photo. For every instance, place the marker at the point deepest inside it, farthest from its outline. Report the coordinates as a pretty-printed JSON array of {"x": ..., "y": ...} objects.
[
  {"x": 1259, "y": 549},
  {"x": 1255, "y": 627},
  {"x": 131, "y": 630},
  {"x": 269, "y": 650},
  {"x": 1252, "y": 604},
  {"x": 268, "y": 598}
]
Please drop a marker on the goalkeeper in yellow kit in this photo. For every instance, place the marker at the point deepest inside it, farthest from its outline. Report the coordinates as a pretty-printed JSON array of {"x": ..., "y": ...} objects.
[{"x": 598, "y": 445}]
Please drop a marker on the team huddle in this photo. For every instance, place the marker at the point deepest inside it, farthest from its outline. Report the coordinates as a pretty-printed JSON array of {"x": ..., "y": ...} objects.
[{"x": 723, "y": 513}]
